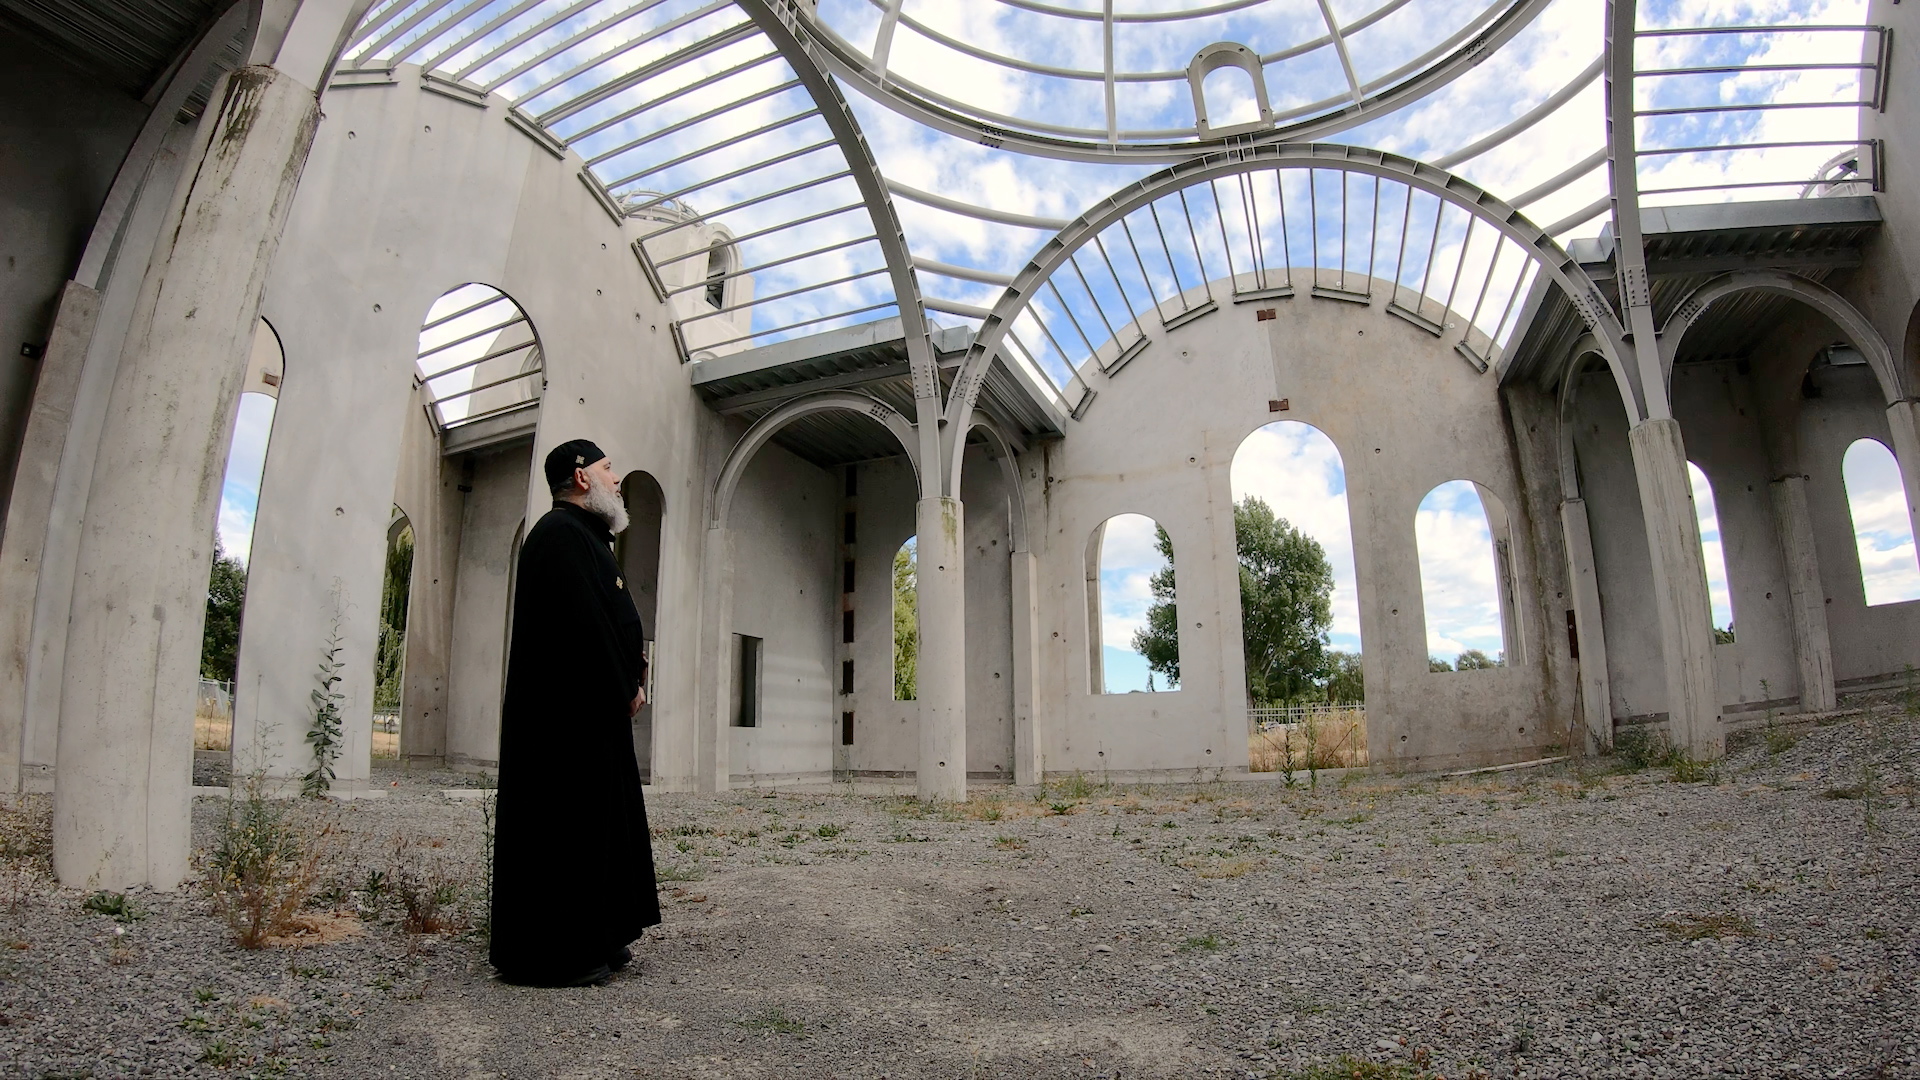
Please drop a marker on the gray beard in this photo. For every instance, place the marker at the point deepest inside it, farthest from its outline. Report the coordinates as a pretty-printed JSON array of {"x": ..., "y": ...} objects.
[{"x": 604, "y": 501}]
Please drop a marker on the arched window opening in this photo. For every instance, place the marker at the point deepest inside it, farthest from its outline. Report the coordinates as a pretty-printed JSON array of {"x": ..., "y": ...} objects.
[
  {"x": 637, "y": 551},
  {"x": 1299, "y": 606},
  {"x": 1228, "y": 92},
  {"x": 1461, "y": 579},
  {"x": 1882, "y": 524},
  {"x": 233, "y": 540},
  {"x": 479, "y": 356},
  {"x": 906, "y": 623},
  {"x": 390, "y": 652},
  {"x": 717, "y": 275},
  {"x": 1133, "y": 624},
  {"x": 1713, "y": 554}
]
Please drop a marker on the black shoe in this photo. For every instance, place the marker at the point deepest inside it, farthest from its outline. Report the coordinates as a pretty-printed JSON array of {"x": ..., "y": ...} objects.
[
  {"x": 592, "y": 978},
  {"x": 620, "y": 959}
]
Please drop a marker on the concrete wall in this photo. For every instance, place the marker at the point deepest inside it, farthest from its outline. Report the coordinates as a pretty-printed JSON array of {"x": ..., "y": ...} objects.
[
  {"x": 886, "y": 735},
  {"x": 1405, "y": 412},
  {"x": 65, "y": 136},
  {"x": 786, "y": 593},
  {"x": 493, "y": 521},
  {"x": 374, "y": 239}
]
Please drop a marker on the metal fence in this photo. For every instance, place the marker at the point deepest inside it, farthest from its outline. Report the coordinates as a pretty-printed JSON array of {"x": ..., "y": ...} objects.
[{"x": 387, "y": 722}]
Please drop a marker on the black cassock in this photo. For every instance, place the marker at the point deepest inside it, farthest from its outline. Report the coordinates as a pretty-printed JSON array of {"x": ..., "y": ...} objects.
[{"x": 572, "y": 863}]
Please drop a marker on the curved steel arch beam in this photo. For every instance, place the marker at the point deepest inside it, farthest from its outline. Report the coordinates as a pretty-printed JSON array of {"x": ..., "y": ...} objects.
[
  {"x": 1623, "y": 186},
  {"x": 1010, "y": 472},
  {"x": 848, "y": 65},
  {"x": 769, "y": 425},
  {"x": 790, "y": 32},
  {"x": 1587, "y": 300},
  {"x": 1811, "y": 293}
]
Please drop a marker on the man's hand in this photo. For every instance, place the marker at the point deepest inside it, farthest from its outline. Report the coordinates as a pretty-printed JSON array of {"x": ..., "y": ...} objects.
[{"x": 639, "y": 702}]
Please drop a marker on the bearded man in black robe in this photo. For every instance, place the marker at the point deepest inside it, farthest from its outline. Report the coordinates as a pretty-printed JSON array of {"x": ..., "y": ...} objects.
[{"x": 572, "y": 864}]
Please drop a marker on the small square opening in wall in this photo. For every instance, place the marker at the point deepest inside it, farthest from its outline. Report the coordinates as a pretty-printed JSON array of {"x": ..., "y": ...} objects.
[
  {"x": 747, "y": 653},
  {"x": 846, "y": 626}
]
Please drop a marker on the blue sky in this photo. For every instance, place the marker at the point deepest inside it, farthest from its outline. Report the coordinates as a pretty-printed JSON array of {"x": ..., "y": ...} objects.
[
  {"x": 240, "y": 491},
  {"x": 1883, "y": 529}
]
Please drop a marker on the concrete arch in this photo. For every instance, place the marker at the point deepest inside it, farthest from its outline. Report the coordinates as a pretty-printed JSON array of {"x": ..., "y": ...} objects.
[
  {"x": 769, "y": 425},
  {"x": 1811, "y": 293},
  {"x": 1010, "y": 470},
  {"x": 1586, "y": 345},
  {"x": 1591, "y": 305}
]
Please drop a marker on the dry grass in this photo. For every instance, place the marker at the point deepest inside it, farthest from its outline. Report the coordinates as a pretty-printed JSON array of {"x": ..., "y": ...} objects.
[
  {"x": 1334, "y": 739},
  {"x": 212, "y": 730},
  {"x": 386, "y": 744}
]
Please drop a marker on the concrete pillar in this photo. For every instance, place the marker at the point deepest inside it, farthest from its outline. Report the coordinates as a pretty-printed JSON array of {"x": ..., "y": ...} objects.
[
  {"x": 1806, "y": 597},
  {"x": 941, "y": 679},
  {"x": 31, "y": 508},
  {"x": 711, "y": 742},
  {"x": 121, "y": 807},
  {"x": 1903, "y": 418},
  {"x": 1596, "y": 697},
  {"x": 1679, "y": 587},
  {"x": 1029, "y": 760}
]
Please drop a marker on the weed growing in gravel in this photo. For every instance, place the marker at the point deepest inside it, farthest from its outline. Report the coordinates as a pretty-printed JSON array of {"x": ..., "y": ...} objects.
[
  {"x": 1637, "y": 748},
  {"x": 1009, "y": 843},
  {"x": 113, "y": 905},
  {"x": 1203, "y": 943},
  {"x": 669, "y": 872},
  {"x": 1347, "y": 1067},
  {"x": 775, "y": 1020},
  {"x": 829, "y": 831},
  {"x": 265, "y": 862}
]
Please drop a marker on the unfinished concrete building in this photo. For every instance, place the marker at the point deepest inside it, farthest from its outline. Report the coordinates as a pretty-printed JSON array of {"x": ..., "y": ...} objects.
[{"x": 824, "y": 276}]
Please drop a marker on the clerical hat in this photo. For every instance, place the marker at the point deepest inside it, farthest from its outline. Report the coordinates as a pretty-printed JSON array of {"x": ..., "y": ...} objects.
[{"x": 568, "y": 456}]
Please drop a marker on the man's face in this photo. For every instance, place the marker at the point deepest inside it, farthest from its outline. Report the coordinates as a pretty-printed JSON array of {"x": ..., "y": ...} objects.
[{"x": 599, "y": 473}]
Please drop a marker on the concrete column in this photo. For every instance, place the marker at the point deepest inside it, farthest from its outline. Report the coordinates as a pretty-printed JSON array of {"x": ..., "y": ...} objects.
[
  {"x": 1029, "y": 760},
  {"x": 1596, "y": 697},
  {"x": 1903, "y": 418},
  {"x": 1679, "y": 587},
  {"x": 941, "y": 678},
  {"x": 1806, "y": 596},
  {"x": 121, "y": 807},
  {"x": 711, "y": 742},
  {"x": 31, "y": 508}
]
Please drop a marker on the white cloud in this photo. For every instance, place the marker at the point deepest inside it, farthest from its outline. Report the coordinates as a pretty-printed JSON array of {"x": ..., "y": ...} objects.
[
  {"x": 1457, "y": 573},
  {"x": 1711, "y": 551},
  {"x": 1297, "y": 470}
]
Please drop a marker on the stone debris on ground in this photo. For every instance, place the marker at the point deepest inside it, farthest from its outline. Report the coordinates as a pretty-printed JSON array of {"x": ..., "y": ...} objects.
[{"x": 1758, "y": 918}]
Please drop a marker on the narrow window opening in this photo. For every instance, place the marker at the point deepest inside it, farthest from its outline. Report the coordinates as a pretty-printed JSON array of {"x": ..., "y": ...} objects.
[
  {"x": 717, "y": 275},
  {"x": 1713, "y": 554},
  {"x": 1460, "y": 532},
  {"x": 746, "y": 680},
  {"x": 853, "y": 481},
  {"x": 846, "y": 729},
  {"x": 1882, "y": 525},
  {"x": 846, "y": 676},
  {"x": 1133, "y": 621},
  {"x": 846, "y": 626},
  {"x": 846, "y": 530},
  {"x": 906, "y": 623},
  {"x": 846, "y": 576}
]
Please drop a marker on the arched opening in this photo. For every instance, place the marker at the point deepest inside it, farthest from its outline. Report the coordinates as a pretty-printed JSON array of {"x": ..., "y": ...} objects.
[
  {"x": 390, "y": 650},
  {"x": 233, "y": 542},
  {"x": 1712, "y": 554},
  {"x": 1882, "y": 525},
  {"x": 1229, "y": 95},
  {"x": 1461, "y": 583},
  {"x": 1299, "y": 604},
  {"x": 479, "y": 356},
  {"x": 906, "y": 622},
  {"x": 637, "y": 550},
  {"x": 717, "y": 269},
  {"x": 1133, "y": 625}
]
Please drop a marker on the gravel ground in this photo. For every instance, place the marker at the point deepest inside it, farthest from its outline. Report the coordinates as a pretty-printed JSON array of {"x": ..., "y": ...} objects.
[{"x": 1567, "y": 921}]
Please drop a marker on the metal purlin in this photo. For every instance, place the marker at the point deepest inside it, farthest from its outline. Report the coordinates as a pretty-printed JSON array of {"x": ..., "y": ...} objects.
[
  {"x": 790, "y": 31},
  {"x": 1585, "y": 296}
]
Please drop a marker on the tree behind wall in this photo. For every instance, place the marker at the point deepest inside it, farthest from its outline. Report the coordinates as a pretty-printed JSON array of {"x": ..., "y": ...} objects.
[
  {"x": 226, "y": 592},
  {"x": 906, "y": 624},
  {"x": 390, "y": 658},
  {"x": 1286, "y": 611}
]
